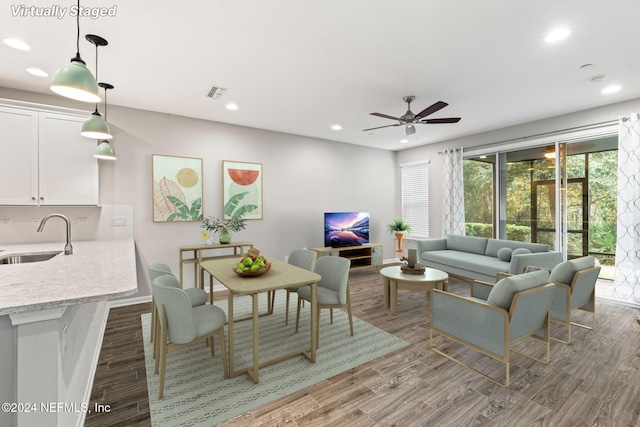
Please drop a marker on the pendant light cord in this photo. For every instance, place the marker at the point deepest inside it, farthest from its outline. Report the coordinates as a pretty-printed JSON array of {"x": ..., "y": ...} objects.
[{"x": 77, "y": 57}]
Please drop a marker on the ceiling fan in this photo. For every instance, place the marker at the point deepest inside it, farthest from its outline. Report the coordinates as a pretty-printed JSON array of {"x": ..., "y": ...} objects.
[{"x": 409, "y": 119}]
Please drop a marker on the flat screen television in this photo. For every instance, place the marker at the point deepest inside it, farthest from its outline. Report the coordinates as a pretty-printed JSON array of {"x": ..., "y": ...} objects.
[{"x": 346, "y": 229}]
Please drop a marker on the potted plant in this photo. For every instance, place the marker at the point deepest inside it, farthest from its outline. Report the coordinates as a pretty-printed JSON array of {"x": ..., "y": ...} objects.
[
  {"x": 399, "y": 228},
  {"x": 224, "y": 226}
]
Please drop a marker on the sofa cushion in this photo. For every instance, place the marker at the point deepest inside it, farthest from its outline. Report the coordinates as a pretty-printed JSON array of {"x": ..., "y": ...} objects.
[
  {"x": 504, "y": 254},
  {"x": 466, "y": 261},
  {"x": 564, "y": 272},
  {"x": 503, "y": 292},
  {"x": 474, "y": 245},
  {"x": 494, "y": 245}
]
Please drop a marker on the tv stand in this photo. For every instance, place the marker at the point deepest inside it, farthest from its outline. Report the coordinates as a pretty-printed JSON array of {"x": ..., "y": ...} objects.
[{"x": 361, "y": 256}]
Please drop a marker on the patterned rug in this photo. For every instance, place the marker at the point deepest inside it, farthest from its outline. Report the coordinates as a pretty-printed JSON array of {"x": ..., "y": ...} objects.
[{"x": 196, "y": 394}]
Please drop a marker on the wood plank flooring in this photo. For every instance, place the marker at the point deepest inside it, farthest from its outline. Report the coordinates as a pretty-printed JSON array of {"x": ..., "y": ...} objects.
[{"x": 594, "y": 381}]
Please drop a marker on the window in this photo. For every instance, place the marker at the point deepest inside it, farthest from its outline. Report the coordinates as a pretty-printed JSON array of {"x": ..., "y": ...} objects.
[{"x": 415, "y": 197}]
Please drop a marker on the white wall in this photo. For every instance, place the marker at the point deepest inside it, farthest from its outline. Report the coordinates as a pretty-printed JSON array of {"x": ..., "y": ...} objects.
[
  {"x": 303, "y": 178},
  {"x": 568, "y": 121}
]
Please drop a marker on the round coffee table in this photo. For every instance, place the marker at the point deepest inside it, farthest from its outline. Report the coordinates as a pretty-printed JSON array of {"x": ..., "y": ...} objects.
[{"x": 393, "y": 279}]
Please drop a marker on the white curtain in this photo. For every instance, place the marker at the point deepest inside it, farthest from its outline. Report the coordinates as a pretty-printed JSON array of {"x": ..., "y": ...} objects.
[
  {"x": 627, "y": 276},
  {"x": 453, "y": 203}
]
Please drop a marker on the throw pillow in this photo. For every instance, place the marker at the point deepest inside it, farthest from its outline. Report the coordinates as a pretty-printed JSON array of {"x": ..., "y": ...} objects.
[
  {"x": 503, "y": 292},
  {"x": 564, "y": 272},
  {"x": 504, "y": 254},
  {"x": 520, "y": 251},
  {"x": 530, "y": 268}
]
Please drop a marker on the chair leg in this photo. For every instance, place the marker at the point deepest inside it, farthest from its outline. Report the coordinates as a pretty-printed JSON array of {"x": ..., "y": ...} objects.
[
  {"x": 330, "y": 315},
  {"x": 350, "y": 315},
  {"x": 163, "y": 369},
  {"x": 153, "y": 320}
]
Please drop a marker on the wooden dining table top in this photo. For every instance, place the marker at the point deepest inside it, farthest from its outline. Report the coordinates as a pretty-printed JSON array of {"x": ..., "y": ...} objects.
[{"x": 281, "y": 275}]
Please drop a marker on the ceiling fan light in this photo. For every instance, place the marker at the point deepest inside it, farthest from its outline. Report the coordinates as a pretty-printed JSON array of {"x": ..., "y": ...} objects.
[
  {"x": 75, "y": 81},
  {"x": 105, "y": 151},
  {"x": 410, "y": 129},
  {"x": 95, "y": 127}
]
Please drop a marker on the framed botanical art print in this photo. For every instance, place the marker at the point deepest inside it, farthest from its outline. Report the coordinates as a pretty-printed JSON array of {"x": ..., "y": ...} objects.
[
  {"x": 242, "y": 189},
  {"x": 177, "y": 188}
]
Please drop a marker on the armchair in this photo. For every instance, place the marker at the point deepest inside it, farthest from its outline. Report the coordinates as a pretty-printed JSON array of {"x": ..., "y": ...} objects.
[
  {"x": 494, "y": 317},
  {"x": 575, "y": 289}
]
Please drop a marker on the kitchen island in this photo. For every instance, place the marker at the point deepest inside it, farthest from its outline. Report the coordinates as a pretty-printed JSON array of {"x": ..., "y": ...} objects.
[
  {"x": 58, "y": 310},
  {"x": 96, "y": 271}
]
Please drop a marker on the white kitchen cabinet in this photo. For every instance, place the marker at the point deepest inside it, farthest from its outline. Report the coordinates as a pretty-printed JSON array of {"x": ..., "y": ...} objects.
[{"x": 44, "y": 160}]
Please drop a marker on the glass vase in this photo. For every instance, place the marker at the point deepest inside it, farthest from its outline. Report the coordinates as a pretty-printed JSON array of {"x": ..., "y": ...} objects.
[{"x": 224, "y": 238}]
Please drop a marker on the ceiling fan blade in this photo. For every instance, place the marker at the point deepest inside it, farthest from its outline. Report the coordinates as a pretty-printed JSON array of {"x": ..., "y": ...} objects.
[
  {"x": 436, "y": 121},
  {"x": 384, "y": 116},
  {"x": 431, "y": 109},
  {"x": 380, "y": 127}
]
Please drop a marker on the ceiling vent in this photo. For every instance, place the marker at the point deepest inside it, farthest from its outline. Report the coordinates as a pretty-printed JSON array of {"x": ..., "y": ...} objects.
[{"x": 216, "y": 92}]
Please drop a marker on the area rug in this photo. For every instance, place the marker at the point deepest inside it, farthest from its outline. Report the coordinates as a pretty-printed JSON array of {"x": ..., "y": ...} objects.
[{"x": 196, "y": 394}]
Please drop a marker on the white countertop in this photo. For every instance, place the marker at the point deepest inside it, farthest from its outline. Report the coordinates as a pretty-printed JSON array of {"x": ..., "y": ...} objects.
[{"x": 97, "y": 270}]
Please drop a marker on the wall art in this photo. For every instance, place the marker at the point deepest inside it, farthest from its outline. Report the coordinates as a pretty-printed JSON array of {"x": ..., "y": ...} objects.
[
  {"x": 177, "y": 188},
  {"x": 242, "y": 189}
]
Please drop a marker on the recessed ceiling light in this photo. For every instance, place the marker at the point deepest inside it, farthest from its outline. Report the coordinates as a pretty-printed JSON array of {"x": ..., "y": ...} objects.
[
  {"x": 16, "y": 44},
  {"x": 556, "y": 35},
  {"x": 404, "y": 141},
  {"x": 37, "y": 72},
  {"x": 336, "y": 127},
  {"x": 483, "y": 157},
  {"x": 232, "y": 107},
  {"x": 611, "y": 89}
]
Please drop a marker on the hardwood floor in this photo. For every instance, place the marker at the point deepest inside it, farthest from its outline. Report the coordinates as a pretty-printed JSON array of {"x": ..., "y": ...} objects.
[{"x": 594, "y": 381}]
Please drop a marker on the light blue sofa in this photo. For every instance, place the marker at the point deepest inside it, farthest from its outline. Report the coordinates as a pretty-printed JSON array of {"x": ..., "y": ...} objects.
[{"x": 477, "y": 257}]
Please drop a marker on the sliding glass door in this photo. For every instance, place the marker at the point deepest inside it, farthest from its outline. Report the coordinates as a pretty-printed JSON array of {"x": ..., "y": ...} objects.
[{"x": 561, "y": 194}]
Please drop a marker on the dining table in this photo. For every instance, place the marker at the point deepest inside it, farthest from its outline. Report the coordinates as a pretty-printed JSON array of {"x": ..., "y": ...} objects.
[{"x": 281, "y": 275}]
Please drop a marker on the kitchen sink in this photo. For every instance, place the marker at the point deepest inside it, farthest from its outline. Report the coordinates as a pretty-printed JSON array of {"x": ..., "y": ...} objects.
[{"x": 27, "y": 257}]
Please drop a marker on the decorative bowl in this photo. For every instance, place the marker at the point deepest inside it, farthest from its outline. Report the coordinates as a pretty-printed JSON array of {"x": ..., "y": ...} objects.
[
  {"x": 417, "y": 270},
  {"x": 267, "y": 267}
]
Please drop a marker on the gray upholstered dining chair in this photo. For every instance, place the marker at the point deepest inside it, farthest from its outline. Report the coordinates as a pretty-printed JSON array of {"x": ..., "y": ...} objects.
[
  {"x": 197, "y": 296},
  {"x": 181, "y": 324},
  {"x": 495, "y": 316},
  {"x": 303, "y": 258},
  {"x": 333, "y": 288}
]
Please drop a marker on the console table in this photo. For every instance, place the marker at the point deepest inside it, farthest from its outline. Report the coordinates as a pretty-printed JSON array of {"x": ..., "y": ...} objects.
[
  {"x": 239, "y": 248},
  {"x": 367, "y": 255}
]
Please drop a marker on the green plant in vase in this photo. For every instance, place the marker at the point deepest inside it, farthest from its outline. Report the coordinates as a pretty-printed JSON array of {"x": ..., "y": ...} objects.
[
  {"x": 224, "y": 227},
  {"x": 399, "y": 228}
]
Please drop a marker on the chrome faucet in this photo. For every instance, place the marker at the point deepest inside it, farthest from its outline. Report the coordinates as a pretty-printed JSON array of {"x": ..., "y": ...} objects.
[{"x": 68, "y": 249}]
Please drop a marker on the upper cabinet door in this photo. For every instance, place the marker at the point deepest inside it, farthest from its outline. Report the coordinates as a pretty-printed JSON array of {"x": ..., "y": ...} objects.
[
  {"x": 18, "y": 156},
  {"x": 68, "y": 171}
]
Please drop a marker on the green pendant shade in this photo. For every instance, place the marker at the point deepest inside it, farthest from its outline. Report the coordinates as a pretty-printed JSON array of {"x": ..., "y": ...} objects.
[
  {"x": 75, "y": 81},
  {"x": 105, "y": 151},
  {"x": 95, "y": 127}
]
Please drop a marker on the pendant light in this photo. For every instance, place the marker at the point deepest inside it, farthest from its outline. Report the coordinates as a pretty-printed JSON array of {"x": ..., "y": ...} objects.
[
  {"x": 95, "y": 127},
  {"x": 74, "y": 80},
  {"x": 105, "y": 150}
]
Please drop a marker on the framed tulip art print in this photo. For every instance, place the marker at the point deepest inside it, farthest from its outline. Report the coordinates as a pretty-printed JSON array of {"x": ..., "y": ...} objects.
[{"x": 242, "y": 189}]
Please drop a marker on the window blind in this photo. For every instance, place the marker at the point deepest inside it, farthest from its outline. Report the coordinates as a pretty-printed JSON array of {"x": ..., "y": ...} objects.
[{"x": 415, "y": 197}]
